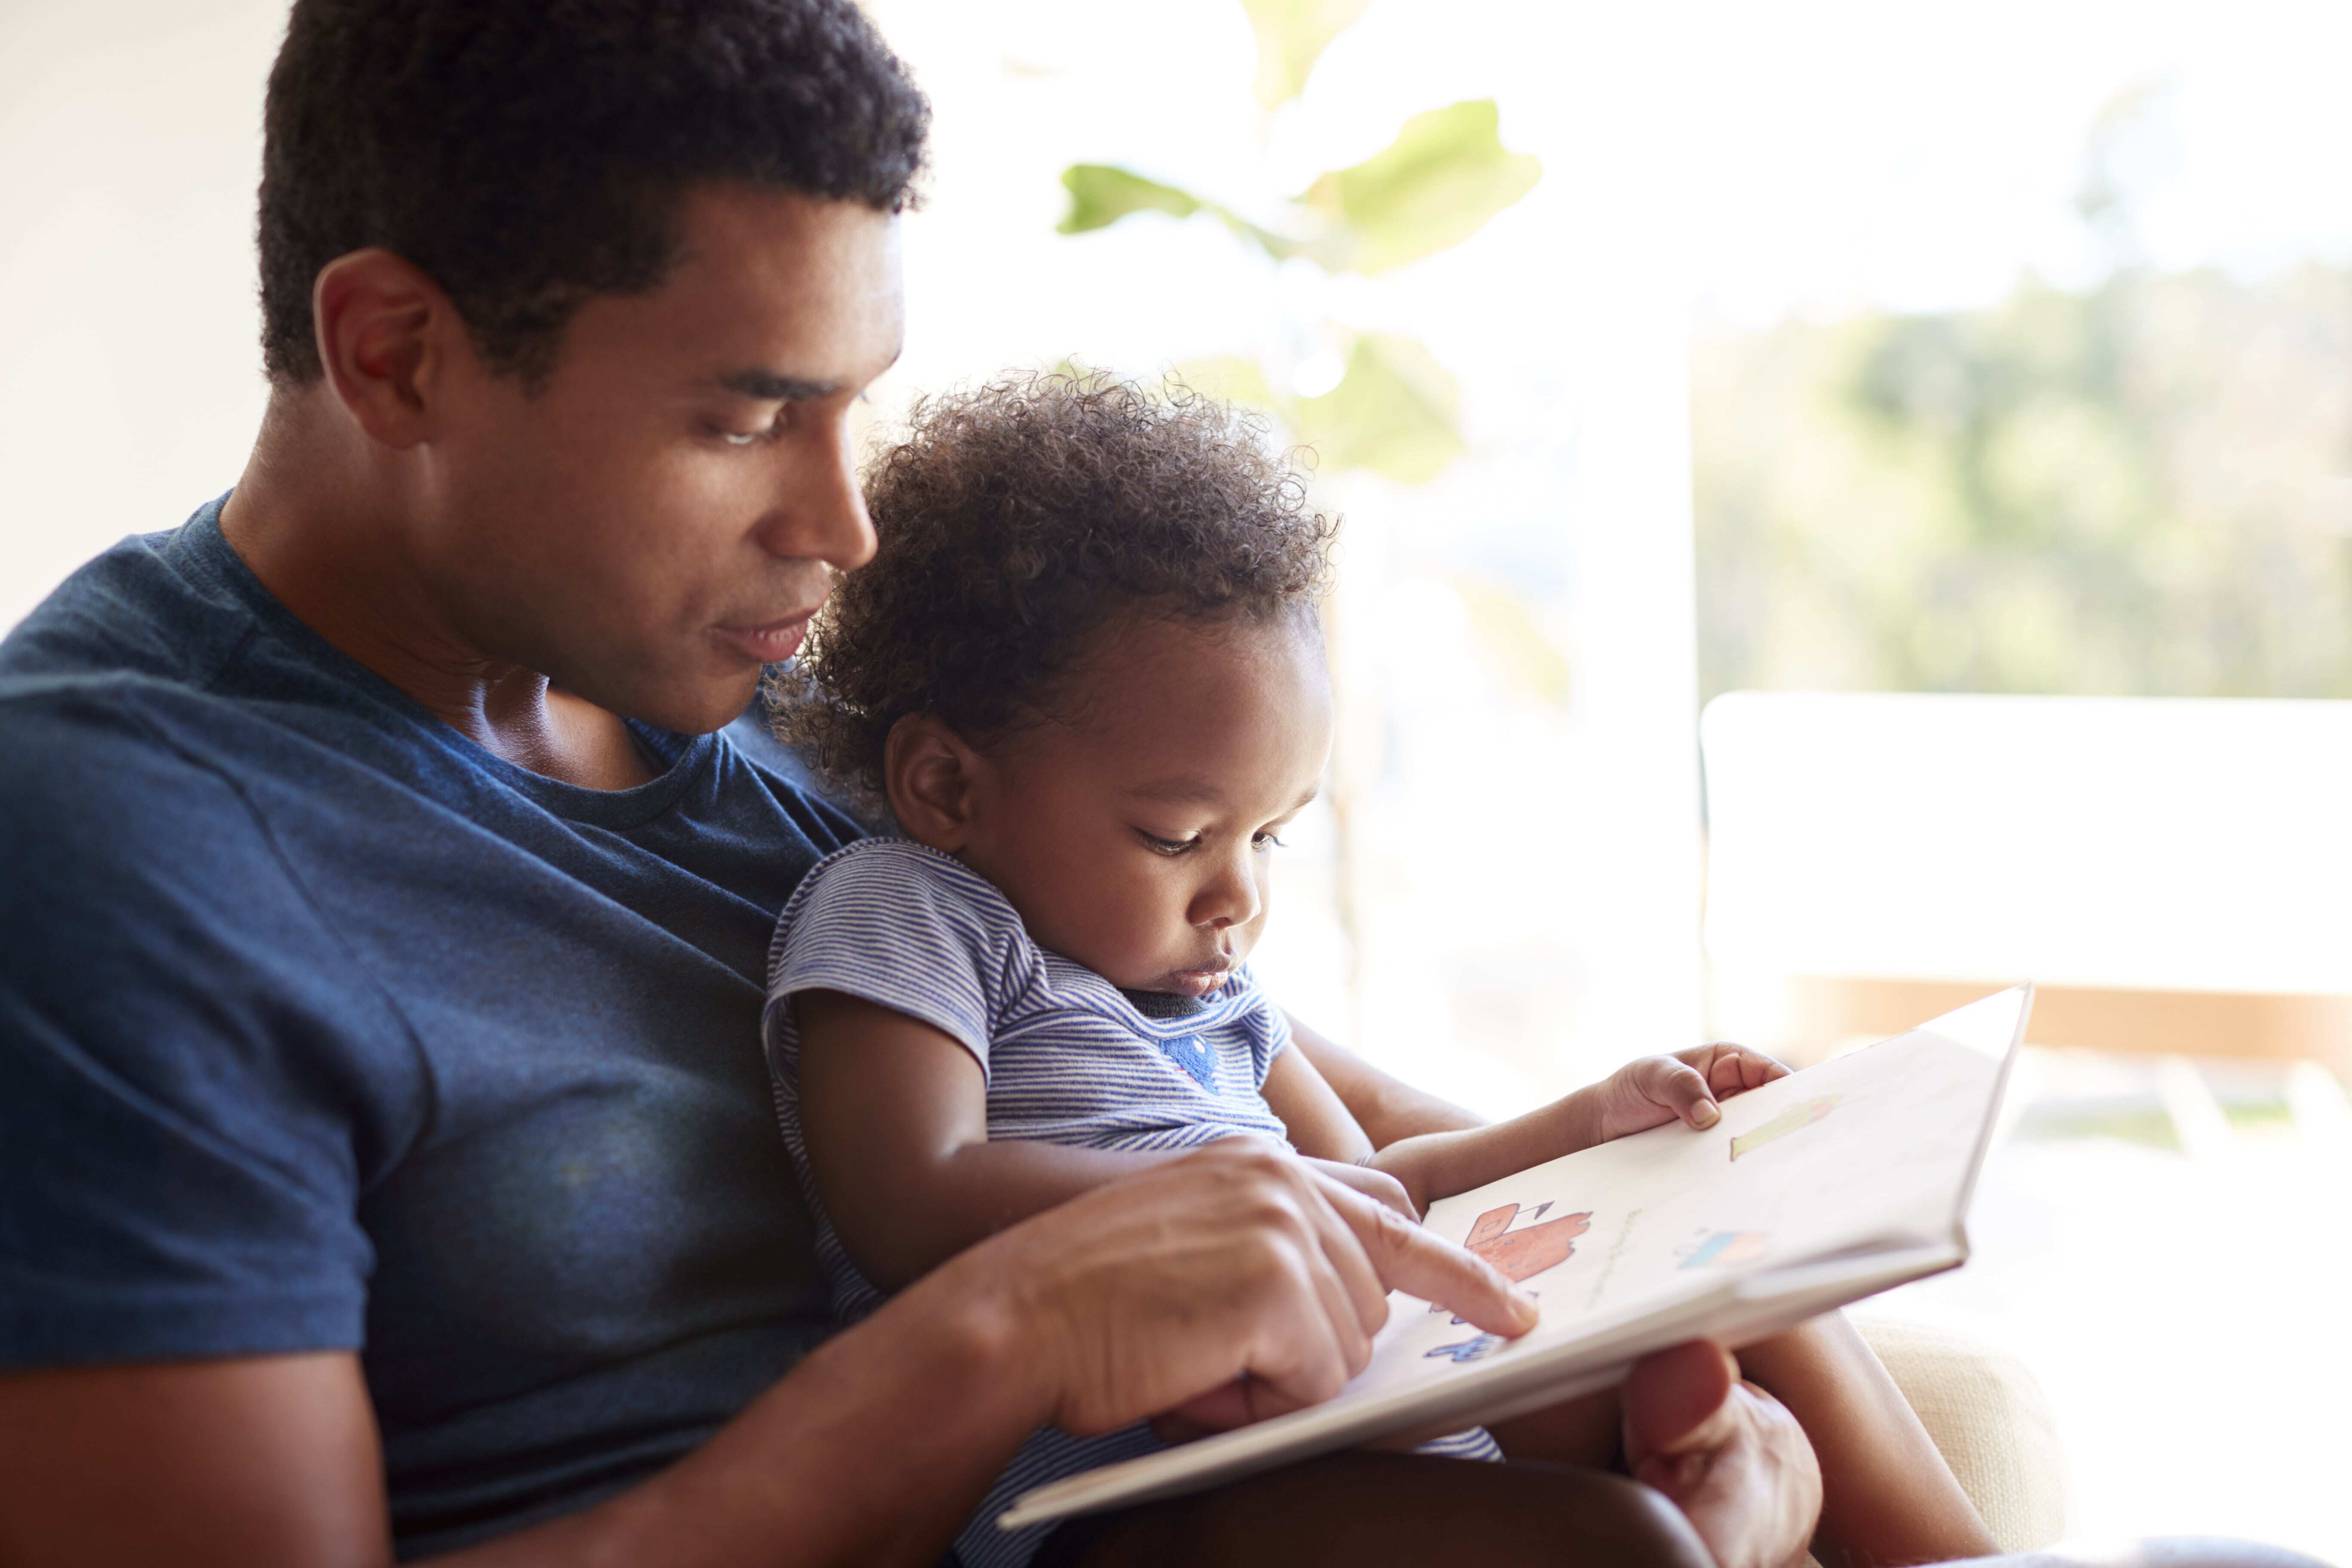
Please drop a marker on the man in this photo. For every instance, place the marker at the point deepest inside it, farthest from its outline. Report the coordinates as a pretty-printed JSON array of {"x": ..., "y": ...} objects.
[{"x": 386, "y": 1163}]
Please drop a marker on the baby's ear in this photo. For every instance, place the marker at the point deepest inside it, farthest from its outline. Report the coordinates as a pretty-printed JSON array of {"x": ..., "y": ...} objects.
[{"x": 928, "y": 771}]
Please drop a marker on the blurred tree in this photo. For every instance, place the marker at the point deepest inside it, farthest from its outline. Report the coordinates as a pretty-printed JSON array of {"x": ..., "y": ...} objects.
[{"x": 2144, "y": 488}]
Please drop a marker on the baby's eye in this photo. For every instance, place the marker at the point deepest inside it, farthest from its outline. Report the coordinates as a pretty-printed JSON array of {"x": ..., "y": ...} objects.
[
  {"x": 1265, "y": 841},
  {"x": 742, "y": 437},
  {"x": 1167, "y": 846}
]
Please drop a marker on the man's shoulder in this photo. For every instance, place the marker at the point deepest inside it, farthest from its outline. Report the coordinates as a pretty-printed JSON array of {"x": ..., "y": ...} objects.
[
  {"x": 108, "y": 693},
  {"x": 154, "y": 606},
  {"x": 103, "y": 748},
  {"x": 129, "y": 853}
]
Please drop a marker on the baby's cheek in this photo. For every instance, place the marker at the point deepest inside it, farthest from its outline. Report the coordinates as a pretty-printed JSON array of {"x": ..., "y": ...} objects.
[{"x": 1131, "y": 936}]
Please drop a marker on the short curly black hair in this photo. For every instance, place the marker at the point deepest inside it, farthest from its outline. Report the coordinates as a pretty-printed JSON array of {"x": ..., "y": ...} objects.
[
  {"x": 531, "y": 155},
  {"x": 1014, "y": 521}
]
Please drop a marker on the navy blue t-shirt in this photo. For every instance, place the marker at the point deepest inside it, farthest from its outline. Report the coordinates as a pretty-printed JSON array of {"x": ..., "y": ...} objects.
[{"x": 323, "y": 1028}]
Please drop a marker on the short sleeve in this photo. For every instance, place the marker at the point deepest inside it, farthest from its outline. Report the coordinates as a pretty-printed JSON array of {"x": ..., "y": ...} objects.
[
  {"x": 907, "y": 927},
  {"x": 182, "y": 1131}
]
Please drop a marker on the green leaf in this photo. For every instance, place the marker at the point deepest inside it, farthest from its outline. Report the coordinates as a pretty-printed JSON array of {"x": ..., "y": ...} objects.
[
  {"x": 1291, "y": 37},
  {"x": 1434, "y": 186},
  {"x": 1102, "y": 194},
  {"x": 1395, "y": 412}
]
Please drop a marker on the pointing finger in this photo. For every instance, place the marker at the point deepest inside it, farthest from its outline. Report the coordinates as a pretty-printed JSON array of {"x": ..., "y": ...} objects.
[{"x": 1410, "y": 1259}]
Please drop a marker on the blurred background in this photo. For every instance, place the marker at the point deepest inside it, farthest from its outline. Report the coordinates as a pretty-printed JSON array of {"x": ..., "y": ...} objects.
[{"x": 1967, "y": 390}]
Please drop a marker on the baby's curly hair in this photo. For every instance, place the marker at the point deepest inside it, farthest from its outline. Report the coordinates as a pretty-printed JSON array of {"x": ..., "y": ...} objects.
[{"x": 1015, "y": 520}]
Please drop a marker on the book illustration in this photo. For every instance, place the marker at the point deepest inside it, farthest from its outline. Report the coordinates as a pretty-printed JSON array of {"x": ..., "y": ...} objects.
[
  {"x": 1798, "y": 1117},
  {"x": 1524, "y": 1253},
  {"x": 1465, "y": 1351},
  {"x": 1728, "y": 1247}
]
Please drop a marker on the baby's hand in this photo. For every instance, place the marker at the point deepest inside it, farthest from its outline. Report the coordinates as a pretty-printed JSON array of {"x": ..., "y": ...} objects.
[{"x": 1686, "y": 1085}]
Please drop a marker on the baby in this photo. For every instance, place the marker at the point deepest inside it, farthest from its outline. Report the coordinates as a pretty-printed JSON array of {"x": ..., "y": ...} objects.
[{"x": 1085, "y": 675}]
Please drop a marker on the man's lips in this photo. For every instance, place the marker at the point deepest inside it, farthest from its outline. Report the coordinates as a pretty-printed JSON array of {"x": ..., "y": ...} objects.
[{"x": 769, "y": 644}]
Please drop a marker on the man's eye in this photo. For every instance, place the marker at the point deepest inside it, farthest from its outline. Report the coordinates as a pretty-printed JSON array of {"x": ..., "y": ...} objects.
[
  {"x": 759, "y": 438},
  {"x": 1167, "y": 846}
]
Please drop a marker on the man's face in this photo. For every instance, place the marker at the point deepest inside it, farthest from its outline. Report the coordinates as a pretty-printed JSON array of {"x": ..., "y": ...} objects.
[{"x": 661, "y": 517}]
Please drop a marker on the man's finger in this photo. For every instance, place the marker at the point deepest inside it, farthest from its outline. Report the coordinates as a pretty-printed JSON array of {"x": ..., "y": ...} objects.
[
  {"x": 1303, "y": 1327},
  {"x": 1378, "y": 1185},
  {"x": 1678, "y": 1400},
  {"x": 1353, "y": 1319},
  {"x": 1409, "y": 1258},
  {"x": 1343, "y": 1248}
]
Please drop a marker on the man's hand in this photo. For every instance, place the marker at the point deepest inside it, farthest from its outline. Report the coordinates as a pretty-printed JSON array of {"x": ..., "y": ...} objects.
[
  {"x": 1686, "y": 1086},
  {"x": 1234, "y": 1285},
  {"x": 1729, "y": 1454},
  {"x": 1378, "y": 1185}
]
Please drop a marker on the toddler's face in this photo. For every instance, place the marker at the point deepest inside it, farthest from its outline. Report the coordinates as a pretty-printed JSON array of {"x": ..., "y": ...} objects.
[{"x": 1134, "y": 835}]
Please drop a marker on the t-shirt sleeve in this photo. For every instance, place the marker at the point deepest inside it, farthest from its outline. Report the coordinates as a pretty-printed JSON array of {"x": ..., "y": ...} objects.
[
  {"x": 181, "y": 1158},
  {"x": 906, "y": 928}
]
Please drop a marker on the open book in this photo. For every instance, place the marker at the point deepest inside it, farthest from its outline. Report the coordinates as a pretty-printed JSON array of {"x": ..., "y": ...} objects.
[{"x": 1816, "y": 1190}]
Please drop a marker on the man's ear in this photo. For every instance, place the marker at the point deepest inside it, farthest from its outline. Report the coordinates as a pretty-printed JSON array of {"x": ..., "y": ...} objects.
[
  {"x": 929, "y": 773},
  {"x": 385, "y": 333}
]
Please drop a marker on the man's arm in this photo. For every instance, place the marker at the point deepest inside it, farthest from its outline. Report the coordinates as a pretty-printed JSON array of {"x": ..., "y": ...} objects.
[
  {"x": 1236, "y": 1283},
  {"x": 874, "y": 1450},
  {"x": 1387, "y": 1109}
]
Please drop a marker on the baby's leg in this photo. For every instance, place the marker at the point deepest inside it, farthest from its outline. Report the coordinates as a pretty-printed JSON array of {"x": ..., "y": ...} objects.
[{"x": 1887, "y": 1497}]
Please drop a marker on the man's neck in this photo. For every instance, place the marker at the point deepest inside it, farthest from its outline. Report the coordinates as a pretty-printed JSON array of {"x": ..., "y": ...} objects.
[{"x": 320, "y": 521}]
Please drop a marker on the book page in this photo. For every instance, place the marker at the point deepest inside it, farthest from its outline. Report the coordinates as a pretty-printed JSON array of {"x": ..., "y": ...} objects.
[{"x": 1869, "y": 1149}]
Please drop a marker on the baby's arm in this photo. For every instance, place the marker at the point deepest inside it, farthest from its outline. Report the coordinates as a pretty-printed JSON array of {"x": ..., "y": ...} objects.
[
  {"x": 1322, "y": 1129},
  {"x": 895, "y": 1116},
  {"x": 1646, "y": 1093}
]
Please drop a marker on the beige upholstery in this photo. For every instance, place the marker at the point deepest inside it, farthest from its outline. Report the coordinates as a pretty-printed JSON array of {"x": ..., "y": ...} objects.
[{"x": 1990, "y": 1420}]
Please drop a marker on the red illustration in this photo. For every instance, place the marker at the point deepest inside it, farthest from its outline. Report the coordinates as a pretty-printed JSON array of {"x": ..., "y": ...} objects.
[{"x": 1530, "y": 1251}]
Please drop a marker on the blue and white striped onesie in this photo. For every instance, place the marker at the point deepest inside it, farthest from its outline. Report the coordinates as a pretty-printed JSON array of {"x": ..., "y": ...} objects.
[{"x": 1069, "y": 1058}]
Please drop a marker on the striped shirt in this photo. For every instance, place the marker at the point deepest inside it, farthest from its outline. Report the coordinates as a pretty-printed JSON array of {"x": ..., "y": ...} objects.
[{"x": 1068, "y": 1058}]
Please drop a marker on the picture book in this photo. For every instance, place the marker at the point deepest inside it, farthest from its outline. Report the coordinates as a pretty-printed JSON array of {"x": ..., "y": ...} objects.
[{"x": 1818, "y": 1189}]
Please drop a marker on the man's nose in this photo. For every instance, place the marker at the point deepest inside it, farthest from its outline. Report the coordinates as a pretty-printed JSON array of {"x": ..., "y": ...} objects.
[
  {"x": 1230, "y": 898},
  {"x": 819, "y": 513}
]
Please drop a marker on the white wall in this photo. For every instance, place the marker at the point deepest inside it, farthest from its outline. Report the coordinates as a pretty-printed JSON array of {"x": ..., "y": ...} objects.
[{"x": 130, "y": 379}]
